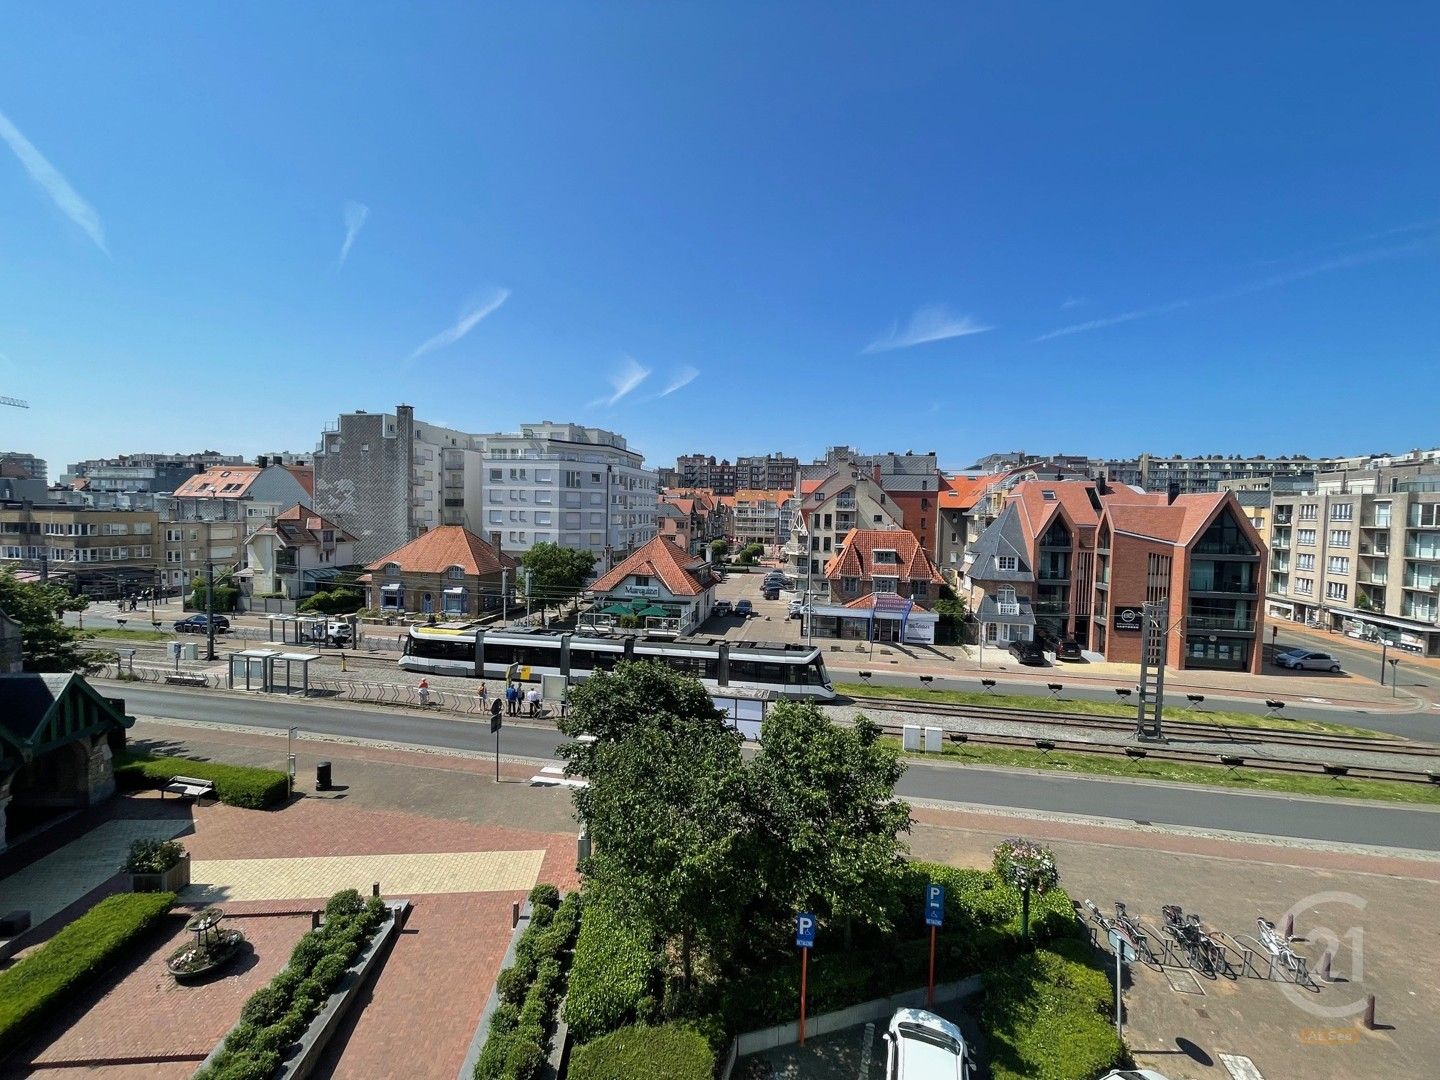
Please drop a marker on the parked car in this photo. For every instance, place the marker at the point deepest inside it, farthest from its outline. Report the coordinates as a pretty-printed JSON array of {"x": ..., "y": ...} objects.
[
  {"x": 796, "y": 609},
  {"x": 779, "y": 581},
  {"x": 1305, "y": 660},
  {"x": 923, "y": 1046},
  {"x": 770, "y": 593},
  {"x": 722, "y": 607},
  {"x": 1069, "y": 650},
  {"x": 1030, "y": 653},
  {"x": 744, "y": 609},
  {"x": 196, "y": 624}
]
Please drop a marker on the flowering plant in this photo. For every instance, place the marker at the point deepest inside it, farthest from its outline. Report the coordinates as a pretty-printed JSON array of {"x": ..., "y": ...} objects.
[{"x": 1028, "y": 867}]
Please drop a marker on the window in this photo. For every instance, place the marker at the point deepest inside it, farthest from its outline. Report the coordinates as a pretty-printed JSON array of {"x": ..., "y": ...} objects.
[
  {"x": 886, "y": 584},
  {"x": 1006, "y": 562},
  {"x": 1305, "y": 537},
  {"x": 1338, "y": 564},
  {"x": 1342, "y": 511},
  {"x": 1382, "y": 515},
  {"x": 642, "y": 580},
  {"x": 919, "y": 589},
  {"x": 885, "y": 556},
  {"x": 544, "y": 476},
  {"x": 571, "y": 479},
  {"x": 1426, "y": 514},
  {"x": 1337, "y": 590},
  {"x": 497, "y": 475},
  {"x": 455, "y": 573},
  {"x": 849, "y": 584},
  {"x": 497, "y": 517},
  {"x": 1304, "y": 562},
  {"x": 1304, "y": 586},
  {"x": 1339, "y": 537},
  {"x": 1308, "y": 511}
]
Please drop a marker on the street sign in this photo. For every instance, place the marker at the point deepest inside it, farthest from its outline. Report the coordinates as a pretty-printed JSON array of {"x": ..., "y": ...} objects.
[
  {"x": 495, "y": 720},
  {"x": 934, "y": 905},
  {"x": 805, "y": 930},
  {"x": 1123, "y": 945}
]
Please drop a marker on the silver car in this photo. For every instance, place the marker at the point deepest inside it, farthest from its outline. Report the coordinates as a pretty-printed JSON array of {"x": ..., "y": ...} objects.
[
  {"x": 923, "y": 1046},
  {"x": 1305, "y": 660}
]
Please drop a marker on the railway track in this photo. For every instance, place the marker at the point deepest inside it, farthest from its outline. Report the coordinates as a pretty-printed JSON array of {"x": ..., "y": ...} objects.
[{"x": 1182, "y": 729}]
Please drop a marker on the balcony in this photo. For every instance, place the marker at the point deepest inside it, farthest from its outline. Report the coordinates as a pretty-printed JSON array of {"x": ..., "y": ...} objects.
[
  {"x": 1214, "y": 548},
  {"x": 845, "y": 502},
  {"x": 1050, "y": 607},
  {"x": 1234, "y": 624},
  {"x": 1223, "y": 587},
  {"x": 1050, "y": 574},
  {"x": 1372, "y": 577},
  {"x": 1283, "y": 519}
]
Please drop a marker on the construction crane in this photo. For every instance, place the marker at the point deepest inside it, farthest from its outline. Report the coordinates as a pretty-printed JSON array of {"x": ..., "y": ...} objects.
[{"x": 14, "y": 401}]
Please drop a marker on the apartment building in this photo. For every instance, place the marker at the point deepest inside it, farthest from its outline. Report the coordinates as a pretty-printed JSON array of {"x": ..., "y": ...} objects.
[
  {"x": 1203, "y": 474},
  {"x": 824, "y": 513},
  {"x": 388, "y": 477},
  {"x": 581, "y": 487},
  {"x": 913, "y": 483},
  {"x": 18, "y": 465},
  {"x": 296, "y": 554},
  {"x": 770, "y": 472},
  {"x": 701, "y": 470},
  {"x": 957, "y": 498},
  {"x": 142, "y": 472},
  {"x": 1361, "y": 555},
  {"x": 100, "y": 553},
  {"x": 760, "y": 517},
  {"x": 881, "y": 583}
]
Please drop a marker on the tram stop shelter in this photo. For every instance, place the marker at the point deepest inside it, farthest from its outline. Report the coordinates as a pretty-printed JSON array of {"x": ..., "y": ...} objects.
[{"x": 255, "y": 669}]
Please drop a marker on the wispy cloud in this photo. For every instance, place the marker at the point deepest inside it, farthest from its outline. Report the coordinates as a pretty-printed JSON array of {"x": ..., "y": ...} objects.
[
  {"x": 931, "y": 323},
  {"x": 467, "y": 322},
  {"x": 70, "y": 202},
  {"x": 1275, "y": 281},
  {"x": 354, "y": 214},
  {"x": 1073, "y": 302},
  {"x": 682, "y": 378},
  {"x": 629, "y": 375}
]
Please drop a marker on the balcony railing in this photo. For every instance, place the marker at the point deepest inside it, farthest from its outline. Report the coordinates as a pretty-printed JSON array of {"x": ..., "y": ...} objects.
[
  {"x": 1053, "y": 575},
  {"x": 1212, "y": 548},
  {"x": 1212, "y": 622},
  {"x": 844, "y": 503},
  {"x": 1223, "y": 585},
  {"x": 1050, "y": 607}
]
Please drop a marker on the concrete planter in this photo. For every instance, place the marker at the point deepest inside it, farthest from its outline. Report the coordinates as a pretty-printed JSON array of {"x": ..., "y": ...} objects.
[{"x": 172, "y": 880}]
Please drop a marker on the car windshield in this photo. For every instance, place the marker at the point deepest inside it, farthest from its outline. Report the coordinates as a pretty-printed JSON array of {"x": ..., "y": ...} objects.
[{"x": 933, "y": 1037}]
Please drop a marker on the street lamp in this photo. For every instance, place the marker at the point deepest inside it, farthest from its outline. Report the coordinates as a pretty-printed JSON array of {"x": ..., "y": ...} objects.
[
  {"x": 1394, "y": 676},
  {"x": 1384, "y": 647}
]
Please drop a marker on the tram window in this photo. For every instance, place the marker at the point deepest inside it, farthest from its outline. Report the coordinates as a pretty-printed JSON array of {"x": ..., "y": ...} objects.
[
  {"x": 581, "y": 659},
  {"x": 499, "y": 654}
]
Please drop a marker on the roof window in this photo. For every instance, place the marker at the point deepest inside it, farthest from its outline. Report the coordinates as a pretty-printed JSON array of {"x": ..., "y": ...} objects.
[{"x": 1048, "y": 495}]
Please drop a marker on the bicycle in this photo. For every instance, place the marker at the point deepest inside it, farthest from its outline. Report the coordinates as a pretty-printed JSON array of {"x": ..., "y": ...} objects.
[
  {"x": 1133, "y": 928},
  {"x": 1279, "y": 948},
  {"x": 1201, "y": 951}
]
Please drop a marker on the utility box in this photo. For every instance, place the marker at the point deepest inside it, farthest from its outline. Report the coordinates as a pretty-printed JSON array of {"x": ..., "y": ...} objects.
[
  {"x": 933, "y": 735},
  {"x": 910, "y": 736},
  {"x": 190, "y": 651}
]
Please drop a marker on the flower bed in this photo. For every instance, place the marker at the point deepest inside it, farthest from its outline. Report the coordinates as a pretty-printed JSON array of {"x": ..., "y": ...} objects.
[
  {"x": 32, "y": 990},
  {"x": 530, "y": 990},
  {"x": 235, "y": 785},
  {"x": 211, "y": 949},
  {"x": 278, "y": 1014}
]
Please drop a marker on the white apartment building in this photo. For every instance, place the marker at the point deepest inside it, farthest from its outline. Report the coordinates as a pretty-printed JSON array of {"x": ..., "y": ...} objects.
[{"x": 567, "y": 484}]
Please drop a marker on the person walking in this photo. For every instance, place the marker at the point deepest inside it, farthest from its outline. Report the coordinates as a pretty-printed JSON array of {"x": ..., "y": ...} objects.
[
  {"x": 424, "y": 692},
  {"x": 483, "y": 693},
  {"x": 533, "y": 697}
]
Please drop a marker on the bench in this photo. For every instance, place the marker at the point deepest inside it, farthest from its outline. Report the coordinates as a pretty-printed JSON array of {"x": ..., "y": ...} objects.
[
  {"x": 187, "y": 680},
  {"x": 192, "y": 786}
]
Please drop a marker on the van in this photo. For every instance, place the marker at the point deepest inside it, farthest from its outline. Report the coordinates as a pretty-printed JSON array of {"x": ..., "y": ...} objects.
[{"x": 923, "y": 1046}]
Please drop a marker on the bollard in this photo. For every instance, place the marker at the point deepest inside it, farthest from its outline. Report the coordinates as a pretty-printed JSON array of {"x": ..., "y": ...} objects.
[
  {"x": 375, "y": 888},
  {"x": 1290, "y": 927},
  {"x": 514, "y": 914},
  {"x": 1325, "y": 967},
  {"x": 1370, "y": 1013}
]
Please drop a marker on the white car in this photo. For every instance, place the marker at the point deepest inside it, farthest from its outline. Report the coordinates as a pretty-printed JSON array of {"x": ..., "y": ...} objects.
[
  {"x": 923, "y": 1046},
  {"x": 796, "y": 609},
  {"x": 1305, "y": 660},
  {"x": 1133, "y": 1074}
]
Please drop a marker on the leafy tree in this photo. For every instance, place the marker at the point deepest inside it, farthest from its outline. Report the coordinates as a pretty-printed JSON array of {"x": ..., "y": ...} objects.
[
  {"x": 718, "y": 550},
  {"x": 225, "y": 594},
  {"x": 1030, "y": 868},
  {"x": 628, "y": 622},
  {"x": 330, "y": 602},
  {"x": 825, "y": 799},
  {"x": 46, "y": 643},
  {"x": 557, "y": 574},
  {"x": 664, "y": 806},
  {"x": 750, "y": 554},
  {"x": 950, "y": 604}
]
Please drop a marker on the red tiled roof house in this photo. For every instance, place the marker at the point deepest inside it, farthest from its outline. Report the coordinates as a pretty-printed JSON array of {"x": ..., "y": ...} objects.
[
  {"x": 448, "y": 572},
  {"x": 882, "y": 583},
  {"x": 663, "y": 586}
]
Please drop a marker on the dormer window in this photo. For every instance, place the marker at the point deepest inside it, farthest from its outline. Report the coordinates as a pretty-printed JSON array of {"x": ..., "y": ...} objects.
[
  {"x": 455, "y": 573},
  {"x": 641, "y": 579},
  {"x": 886, "y": 556},
  {"x": 392, "y": 570},
  {"x": 1006, "y": 562}
]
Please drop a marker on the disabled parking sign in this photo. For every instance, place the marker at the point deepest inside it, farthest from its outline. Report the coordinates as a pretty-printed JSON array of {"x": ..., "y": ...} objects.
[
  {"x": 805, "y": 930},
  {"x": 934, "y": 905}
]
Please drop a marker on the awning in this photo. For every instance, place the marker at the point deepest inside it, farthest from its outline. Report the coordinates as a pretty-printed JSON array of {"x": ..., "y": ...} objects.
[
  {"x": 457, "y": 591},
  {"x": 389, "y": 588},
  {"x": 1382, "y": 620}
]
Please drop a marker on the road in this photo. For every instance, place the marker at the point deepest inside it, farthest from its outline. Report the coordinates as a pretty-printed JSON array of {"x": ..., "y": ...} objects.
[
  {"x": 1364, "y": 659},
  {"x": 1335, "y": 821}
]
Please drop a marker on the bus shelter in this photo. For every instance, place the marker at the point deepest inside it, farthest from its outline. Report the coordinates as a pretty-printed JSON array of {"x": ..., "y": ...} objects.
[{"x": 256, "y": 669}]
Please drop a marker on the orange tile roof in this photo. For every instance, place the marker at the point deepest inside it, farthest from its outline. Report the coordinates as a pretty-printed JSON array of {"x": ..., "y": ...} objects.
[
  {"x": 1036, "y": 510},
  {"x": 753, "y": 495},
  {"x": 661, "y": 558},
  {"x": 868, "y": 601},
  {"x": 808, "y": 486},
  {"x": 219, "y": 482},
  {"x": 1150, "y": 514},
  {"x": 439, "y": 549},
  {"x": 963, "y": 492},
  {"x": 857, "y": 555},
  {"x": 304, "y": 519}
]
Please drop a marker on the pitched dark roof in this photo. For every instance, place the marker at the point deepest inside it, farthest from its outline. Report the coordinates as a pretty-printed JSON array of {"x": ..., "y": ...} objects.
[{"x": 1005, "y": 536}]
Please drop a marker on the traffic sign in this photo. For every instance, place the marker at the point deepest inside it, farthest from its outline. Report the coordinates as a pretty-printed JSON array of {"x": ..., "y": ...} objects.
[
  {"x": 1122, "y": 944},
  {"x": 934, "y": 905},
  {"x": 805, "y": 930}
]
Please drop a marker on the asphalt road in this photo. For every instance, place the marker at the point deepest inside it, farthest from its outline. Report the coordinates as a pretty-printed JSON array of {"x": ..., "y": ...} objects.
[{"x": 1160, "y": 804}]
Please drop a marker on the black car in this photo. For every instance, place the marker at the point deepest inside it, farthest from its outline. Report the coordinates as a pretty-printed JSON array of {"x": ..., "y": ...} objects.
[
  {"x": 1028, "y": 652},
  {"x": 196, "y": 624},
  {"x": 1068, "y": 650}
]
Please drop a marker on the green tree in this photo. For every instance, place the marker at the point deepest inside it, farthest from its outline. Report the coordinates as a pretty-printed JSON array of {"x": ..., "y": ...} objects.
[
  {"x": 750, "y": 554},
  {"x": 953, "y": 612},
  {"x": 225, "y": 594},
  {"x": 718, "y": 550},
  {"x": 665, "y": 806},
  {"x": 557, "y": 574},
  {"x": 1030, "y": 868},
  {"x": 46, "y": 643},
  {"x": 825, "y": 801},
  {"x": 329, "y": 602}
]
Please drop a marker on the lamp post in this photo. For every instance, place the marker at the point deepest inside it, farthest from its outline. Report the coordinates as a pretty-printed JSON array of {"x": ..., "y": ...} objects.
[{"x": 1384, "y": 647}]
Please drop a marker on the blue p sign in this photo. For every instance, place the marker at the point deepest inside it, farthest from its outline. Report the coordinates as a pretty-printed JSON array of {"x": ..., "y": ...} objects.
[
  {"x": 934, "y": 905},
  {"x": 804, "y": 930}
]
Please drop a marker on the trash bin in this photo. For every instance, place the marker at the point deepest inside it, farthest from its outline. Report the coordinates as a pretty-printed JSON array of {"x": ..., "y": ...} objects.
[{"x": 322, "y": 776}]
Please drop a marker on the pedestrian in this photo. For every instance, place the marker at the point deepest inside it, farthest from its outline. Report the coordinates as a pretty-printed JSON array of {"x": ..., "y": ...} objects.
[
  {"x": 512, "y": 699},
  {"x": 483, "y": 692},
  {"x": 533, "y": 697},
  {"x": 424, "y": 692}
]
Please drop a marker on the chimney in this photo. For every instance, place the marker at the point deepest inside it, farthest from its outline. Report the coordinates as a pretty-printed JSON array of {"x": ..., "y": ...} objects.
[
  {"x": 1172, "y": 492},
  {"x": 262, "y": 461},
  {"x": 495, "y": 540}
]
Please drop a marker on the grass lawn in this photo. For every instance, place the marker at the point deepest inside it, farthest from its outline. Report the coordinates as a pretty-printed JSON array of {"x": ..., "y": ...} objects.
[
  {"x": 1104, "y": 708},
  {"x": 121, "y": 633},
  {"x": 1247, "y": 779}
]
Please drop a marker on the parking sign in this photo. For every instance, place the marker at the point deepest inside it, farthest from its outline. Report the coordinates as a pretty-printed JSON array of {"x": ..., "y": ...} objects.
[
  {"x": 934, "y": 905},
  {"x": 805, "y": 930}
]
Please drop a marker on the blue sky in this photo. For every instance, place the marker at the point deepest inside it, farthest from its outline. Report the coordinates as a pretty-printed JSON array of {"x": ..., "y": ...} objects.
[{"x": 1098, "y": 228}]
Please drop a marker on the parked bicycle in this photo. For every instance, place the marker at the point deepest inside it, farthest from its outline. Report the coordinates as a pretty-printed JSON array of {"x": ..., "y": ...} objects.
[
  {"x": 1132, "y": 927},
  {"x": 1279, "y": 947},
  {"x": 1202, "y": 952}
]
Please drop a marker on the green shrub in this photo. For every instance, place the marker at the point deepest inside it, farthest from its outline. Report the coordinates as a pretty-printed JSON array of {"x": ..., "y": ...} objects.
[
  {"x": 526, "y": 1060},
  {"x": 545, "y": 895},
  {"x": 254, "y": 1065},
  {"x": 235, "y": 785},
  {"x": 332, "y": 602},
  {"x": 306, "y": 954},
  {"x": 613, "y": 978},
  {"x": 34, "y": 987},
  {"x": 345, "y": 904},
  {"x": 512, "y": 985},
  {"x": 242, "y": 1036},
  {"x": 147, "y": 856},
  {"x": 1045, "y": 1016},
  {"x": 666, "y": 1052},
  {"x": 541, "y": 917},
  {"x": 330, "y": 969},
  {"x": 265, "y": 1006}
]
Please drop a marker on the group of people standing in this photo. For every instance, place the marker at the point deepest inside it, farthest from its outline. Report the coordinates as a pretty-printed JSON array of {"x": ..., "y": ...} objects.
[{"x": 515, "y": 699}]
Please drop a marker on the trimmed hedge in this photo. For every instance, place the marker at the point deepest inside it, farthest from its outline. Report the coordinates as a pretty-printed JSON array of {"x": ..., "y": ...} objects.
[
  {"x": 34, "y": 988},
  {"x": 666, "y": 1052},
  {"x": 1047, "y": 1016},
  {"x": 517, "y": 1044},
  {"x": 235, "y": 785},
  {"x": 278, "y": 1013},
  {"x": 614, "y": 978}
]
